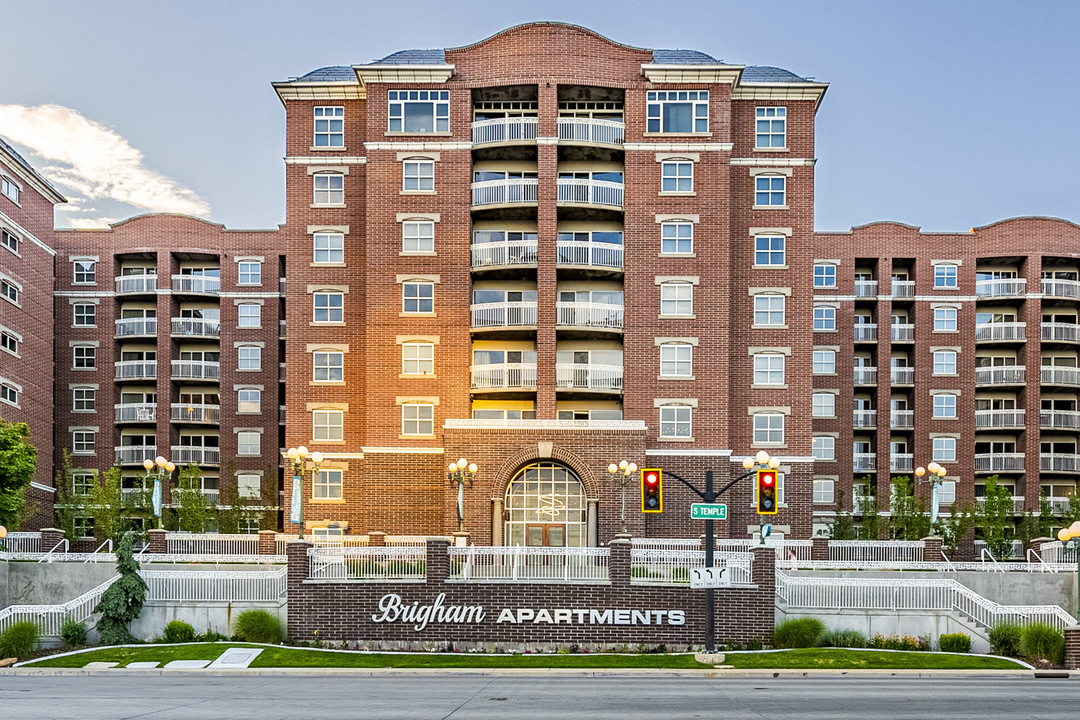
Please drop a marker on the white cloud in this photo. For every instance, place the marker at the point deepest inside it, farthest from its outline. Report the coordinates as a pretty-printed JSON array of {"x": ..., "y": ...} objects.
[{"x": 90, "y": 162}]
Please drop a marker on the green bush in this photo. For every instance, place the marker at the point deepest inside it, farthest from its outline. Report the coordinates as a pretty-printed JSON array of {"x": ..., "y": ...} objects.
[
  {"x": 1039, "y": 641},
  {"x": 211, "y": 636},
  {"x": 954, "y": 642},
  {"x": 73, "y": 633},
  {"x": 258, "y": 626},
  {"x": 18, "y": 640},
  {"x": 178, "y": 631},
  {"x": 900, "y": 642},
  {"x": 847, "y": 638},
  {"x": 798, "y": 633},
  {"x": 1005, "y": 639}
]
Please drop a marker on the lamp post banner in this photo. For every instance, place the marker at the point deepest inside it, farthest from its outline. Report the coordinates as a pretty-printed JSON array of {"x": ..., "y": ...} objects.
[
  {"x": 156, "y": 497},
  {"x": 294, "y": 510}
]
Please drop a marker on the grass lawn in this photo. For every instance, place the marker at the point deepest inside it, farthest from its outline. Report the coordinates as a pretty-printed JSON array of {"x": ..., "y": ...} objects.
[{"x": 838, "y": 659}]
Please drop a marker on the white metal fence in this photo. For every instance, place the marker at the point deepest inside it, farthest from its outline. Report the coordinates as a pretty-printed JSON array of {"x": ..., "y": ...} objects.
[
  {"x": 672, "y": 567},
  {"x": 665, "y": 543},
  {"x": 785, "y": 549},
  {"x": 50, "y": 617},
  {"x": 215, "y": 585},
  {"x": 212, "y": 544},
  {"x": 1057, "y": 552},
  {"x": 18, "y": 542},
  {"x": 876, "y": 550},
  {"x": 529, "y": 564},
  {"x": 367, "y": 563}
]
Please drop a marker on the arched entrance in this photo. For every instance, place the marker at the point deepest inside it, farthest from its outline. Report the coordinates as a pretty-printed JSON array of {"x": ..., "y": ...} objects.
[{"x": 546, "y": 506}]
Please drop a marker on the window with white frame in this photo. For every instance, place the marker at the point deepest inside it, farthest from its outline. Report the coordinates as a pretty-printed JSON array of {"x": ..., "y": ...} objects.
[
  {"x": 676, "y": 238},
  {"x": 823, "y": 447},
  {"x": 824, "y": 362},
  {"x": 327, "y": 485},
  {"x": 944, "y": 405},
  {"x": 85, "y": 315},
  {"x": 677, "y": 111},
  {"x": 9, "y": 393},
  {"x": 418, "y": 297},
  {"x": 328, "y": 365},
  {"x": 329, "y": 307},
  {"x": 9, "y": 189},
  {"x": 85, "y": 357},
  {"x": 417, "y": 419},
  {"x": 946, "y": 275},
  {"x": 944, "y": 449},
  {"x": 330, "y": 127},
  {"x": 248, "y": 443},
  {"x": 418, "y": 175},
  {"x": 83, "y": 483},
  {"x": 327, "y": 425},
  {"x": 249, "y": 315},
  {"x": 677, "y": 176},
  {"x": 944, "y": 362},
  {"x": 769, "y": 310},
  {"x": 84, "y": 399},
  {"x": 768, "y": 429},
  {"x": 418, "y": 236},
  {"x": 675, "y": 421},
  {"x": 946, "y": 492},
  {"x": 945, "y": 319},
  {"x": 417, "y": 358},
  {"x": 824, "y": 405},
  {"x": 10, "y": 291},
  {"x": 249, "y": 401},
  {"x": 329, "y": 247},
  {"x": 83, "y": 442},
  {"x": 329, "y": 189},
  {"x": 676, "y": 360},
  {"x": 9, "y": 342},
  {"x": 248, "y": 485},
  {"x": 249, "y": 272},
  {"x": 824, "y": 491},
  {"x": 84, "y": 526},
  {"x": 9, "y": 240},
  {"x": 770, "y": 250},
  {"x": 770, "y": 191},
  {"x": 677, "y": 299},
  {"x": 769, "y": 368},
  {"x": 85, "y": 272},
  {"x": 419, "y": 111},
  {"x": 824, "y": 275},
  {"x": 824, "y": 318},
  {"x": 779, "y": 491},
  {"x": 770, "y": 127},
  {"x": 249, "y": 357}
]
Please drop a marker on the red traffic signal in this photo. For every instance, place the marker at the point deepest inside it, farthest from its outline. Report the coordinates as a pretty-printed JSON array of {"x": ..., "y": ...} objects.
[
  {"x": 652, "y": 498},
  {"x": 766, "y": 492}
]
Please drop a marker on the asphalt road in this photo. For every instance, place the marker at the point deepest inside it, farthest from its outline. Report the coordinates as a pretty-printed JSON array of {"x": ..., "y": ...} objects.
[{"x": 466, "y": 697}]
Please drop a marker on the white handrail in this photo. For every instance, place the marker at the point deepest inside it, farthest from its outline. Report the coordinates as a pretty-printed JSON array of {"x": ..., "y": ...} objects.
[
  {"x": 985, "y": 553},
  {"x": 50, "y": 618},
  {"x": 107, "y": 544},
  {"x": 48, "y": 555}
]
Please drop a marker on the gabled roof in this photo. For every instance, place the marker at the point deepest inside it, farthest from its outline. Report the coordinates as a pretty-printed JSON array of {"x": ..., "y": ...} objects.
[{"x": 47, "y": 188}]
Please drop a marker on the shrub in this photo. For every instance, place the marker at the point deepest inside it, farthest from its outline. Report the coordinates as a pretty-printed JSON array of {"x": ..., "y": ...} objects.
[
  {"x": 258, "y": 626},
  {"x": 211, "y": 636},
  {"x": 798, "y": 633},
  {"x": 1005, "y": 639},
  {"x": 18, "y": 640},
  {"x": 178, "y": 631},
  {"x": 73, "y": 633},
  {"x": 847, "y": 638},
  {"x": 954, "y": 642},
  {"x": 1039, "y": 641},
  {"x": 900, "y": 642}
]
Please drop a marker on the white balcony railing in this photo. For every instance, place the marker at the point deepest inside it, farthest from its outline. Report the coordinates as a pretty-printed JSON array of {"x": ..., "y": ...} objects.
[
  {"x": 129, "y": 327},
  {"x": 281, "y": 414},
  {"x": 865, "y": 375},
  {"x": 1060, "y": 419},
  {"x": 1006, "y": 419},
  {"x": 136, "y": 412},
  {"x": 865, "y": 288},
  {"x": 504, "y": 252},
  {"x": 999, "y": 462},
  {"x": 588, "y": 130},
  {"x": 589, "y": 254},
  {"x": 503, "y": 314},
  {"x": 575, "y": 191},
  {"x": 866, "y": 332},
  {"x": 900, "y": 419},
  {"x": 901, "y": 462},
  {"x": 1069, "y": 289},
  {"x": 129, "y": 284},
  {"x": 194, "y": 327},
  {"x": 1017, "y": 504},
  {"x": 1060, "y": 375},
  {"x": 196, "y": 370},
  {"x": 136, "y": 370},
  {"x": 902, "y": 332},
  {"x": 589, "y": 314},
  {"x": 903, "y": 288},
  {"x": 588, "y": 377},
  {"x": 504, "y": 376},
  {"x": 1061, "y": 332},
  {"x": 517, "y": 191},
  {"x": 1001, "y": 287},
  {"x": 135, "y": 454},
  {"x": 1059, "y": 462},
  {"x": 902, "y": 375},
  {"x": 864, "y": 462},
  {"x": 1000, "y": 332},
  {"x": 187, "y": 455},
  {"x": 1000, "y": 375},
  {"x": 183, "y": 412},
  {"x": 865, "y": 418},
  {"x": 504, "y": 129},
  {"x": 196, "y": 284}
]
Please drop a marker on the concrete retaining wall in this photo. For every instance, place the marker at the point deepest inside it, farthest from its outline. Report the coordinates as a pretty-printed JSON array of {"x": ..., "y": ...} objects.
[{"x": 906, "y": 622}]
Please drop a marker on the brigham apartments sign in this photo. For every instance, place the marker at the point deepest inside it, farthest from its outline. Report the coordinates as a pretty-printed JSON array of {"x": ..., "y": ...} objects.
[{"x": 393, "y": 609}]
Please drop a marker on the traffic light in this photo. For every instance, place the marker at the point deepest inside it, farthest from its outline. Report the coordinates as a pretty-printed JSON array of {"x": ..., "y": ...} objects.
[
  {"x": 766, "y": 492},
  {"x": 652, "y": 497}
]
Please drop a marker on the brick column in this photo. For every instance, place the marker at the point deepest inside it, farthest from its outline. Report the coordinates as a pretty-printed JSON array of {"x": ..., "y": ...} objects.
[
  {"x": 764, "y": 571},
  {"x": 438, "y": 560},
  {"x": 268, "y": 542},
  {"x": 1036, "y": 542},
  {"x": 49, "y": 539},
  {"x": 376, "y": 538},
  {"x": 299, "y": 604},
  {"x": 158, "y": 544},
  {"x": 931, "y": 549},
  {"x": 619, "y": 563},
  {"x": 1072, "y": 648},
  {"x": 820, "y": 549}
]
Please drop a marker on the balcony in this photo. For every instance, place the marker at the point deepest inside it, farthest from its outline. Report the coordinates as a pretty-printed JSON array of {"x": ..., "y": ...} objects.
[
  {"x": 281, "y": 329},
  {"x": 602, "y": 316},
  {"x": 864, "y": 462},
  {"x": 866, "y": 332},
  {"x": 1066, "y": 289},
  {"x": 210, "y": 496},
  {"x": 1001, "y": 332},
  {"x": 1000, "y": 375},
  {"x": 194, "y": 327},
  {"x": 902, "y": 332},
  {"x": 503, "y": 253},
  {"x": 1059, "y": 462},
  {"x": 865, "y": 418},
  {"x": 135, "y": 454},
  {"x": 487, "y": 423},
  {"x": 866, "y": 288},
  {"x": 281, "y": 285},
  {"x": 504, "y": 130},
  {"x": 503, "y": 314},
  {"x": 1060, "y": 375},
  {"x": 135, "y": 327},
  {"x": 1001, "y": 288},
  {"x": 504, "y": 376},
  {"x": 196, "y": 370},
  {"x": 902, "y": 375},
  {"x": 902, "y": 462},
  {"x": 1012, "y": 419},
  {"x": 185, "y": 413},
  {"x": 1060, "y": 332},
  {"x": 281, "y": 415},
  {"x": 136, "y": 370},
  {"x": 589, "y": 254},
  {"x": 516, "y": 191},
  {"x": 136, "y": 285},
  {"x": 1059, "y": 419},
  {"x": 902, "y": 419},
  {"x": 602, "y": 193},
  {"x": 590, "y": 131},
  {"x": 861, "y": 504},
  {"x": 281, "y": 372},
  {"x": 136, "y": 412},
  {"x": 903, "y": 289},
  {"x": 1058, "y": 505},
  {"x": 865, "y": 375},
  {"x": 187, "y": 455},
  {"x": 999, "y": 462},
  {"x": 604, "y": 378},
  {"x": 196, "y": 284},
  {"x": 1017, "y": 502}
]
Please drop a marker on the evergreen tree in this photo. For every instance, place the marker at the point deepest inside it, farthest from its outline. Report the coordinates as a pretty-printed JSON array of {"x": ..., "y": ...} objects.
[{"x": 123, "y": 600}]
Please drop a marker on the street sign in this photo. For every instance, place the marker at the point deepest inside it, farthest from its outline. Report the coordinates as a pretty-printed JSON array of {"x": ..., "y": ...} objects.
[
  {"x": 708, "y": 511},
  {"x": 711, "y": 577}
]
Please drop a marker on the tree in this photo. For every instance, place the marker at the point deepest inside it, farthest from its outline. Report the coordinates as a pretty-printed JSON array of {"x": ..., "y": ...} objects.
[
  {"x": 995, "y": 517},
  {"x": 843, "y": 527},
  {"x": 106, "y": 500},
  {"x": 193, "y": 512},
  {"x": 1047, "y": 517},
  {"x": 18, "y": 461},
  {"x": 123, "y": 600},
  {"x": 65, "y": 497},
  {"x": 908, "y": 517},
  {"x": 954, "y": 527}
]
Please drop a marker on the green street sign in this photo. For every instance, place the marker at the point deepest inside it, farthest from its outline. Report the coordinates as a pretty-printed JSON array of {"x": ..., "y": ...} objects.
[{"x": 708, "y": 511}]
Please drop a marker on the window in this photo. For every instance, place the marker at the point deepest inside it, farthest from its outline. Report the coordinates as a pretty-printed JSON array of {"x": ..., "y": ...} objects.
[
  {"x": 329, "y": 189},
  {"x": 9, "y": 240},
  {"x": 9, "y": 189},
  {"x": 944, "y": 449},
  {"x": 85, "y": 272},
  {"x": 329, "y": 247},
  {"x": 823, "y": 447},
  {"x": 770, "y": 191},
  {"x": 84, "y": 526},
  {"x": 675, "y": 421},
  {"x": 330, "y": 127},
  {"x": 768, "y": 429},
  {"x": 248, "y": 485},
  {"x": 249, "y": 357},
  {"x": 824, "y": 276},
  {"x": 10, "y": 291},
  {"x": 249, "y": 400},
  {"x": 769, "y": 310},
  {"x": 249, "y": 315},
  {"x": 824, "y": 318},
  {"x": 249, "y": 272},
  {"x": 82, "y": 483},
  {"x": 676, "y": 238},
  {"x": 329, "y": 366},
  {"x": 944, "y": 362},
  {"x": 418, "y": 297},
  {"x": 944, "y": 405},
  {"x": 329, "y": 307},
  {"x": 769, "y": 250},
  {"x": 418, "y": 175},
  {"x": 676, "y": 360},
  {"x": 417, "y": 419},
  {"x": 677, "y": 299},
  {"x": 419, "y": 111},
  {"x": 327, "y": 425},
  {"x": 769, "y": 369},
  {"x": 82, "y": 442},
  {"x": 85, "y": 357},
  {"x": 824, "y": 491},
  {"x": 9, "y": 393},
  {"x": 946, "y": 490},
  {"x": 85, "y": 315},
  {"x": 824, "y": 362},
  {"x": 770, "y": 127},
  {"x": 9, "y": 341},
  {"x": 945, "y": 276},
  {"x": 418, "y": 236},
  {"x": 84, "y": 399},
  {"x": 678, "y": 111},
  {"x": 945, "y": 319},
  {"x": 677, "y": 176},
  {"x": 824, "y": 405},
  {"x": 327, "y": 485},
  {"x": 247, "y": 443},
  {"x": 418, "y": 359}
]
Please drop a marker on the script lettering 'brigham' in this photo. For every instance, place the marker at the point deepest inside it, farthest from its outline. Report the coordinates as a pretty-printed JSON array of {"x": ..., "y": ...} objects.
[{"x": 393, "y": 610}]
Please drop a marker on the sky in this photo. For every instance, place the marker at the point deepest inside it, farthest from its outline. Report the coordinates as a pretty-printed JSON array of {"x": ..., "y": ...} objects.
[{"x": 942, "y": 114}]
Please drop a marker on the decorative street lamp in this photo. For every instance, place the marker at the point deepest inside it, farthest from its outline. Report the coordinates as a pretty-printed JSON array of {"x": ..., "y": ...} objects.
[
  {"x": 298, "y": 460},
  {"x": 159, "y": 471},
  {"x": 937, "y": 472},
  {"x": 627, "y": 469},
  {"x": 461, "y": 475}
]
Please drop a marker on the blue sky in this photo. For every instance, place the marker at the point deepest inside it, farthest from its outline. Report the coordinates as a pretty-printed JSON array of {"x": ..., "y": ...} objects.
[{"x": 940, "y": 114}]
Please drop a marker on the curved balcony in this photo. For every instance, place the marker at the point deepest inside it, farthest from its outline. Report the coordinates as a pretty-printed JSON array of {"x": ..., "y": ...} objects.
[
  {"x": 865, "y": 375},
  {"x": 196, "y": 284},
  {"x": 506, "y": 130},
  {"x": 588, "y": 253},
  {"x": 866, "y": 288},
  {"x": 491, "y": 193},
  {"x": 902, "y": 332},
  {"x": 864, "y": 462},
  {"x": 136, "y": 412},
  {"x": 187, "y": 455},
  {"x": 1060, "y": 332},
  {"x": 136, "y": 327},
  {"x": 504, "y": 376},
  {"x": 1060, "y": 375},
  {"x": 1065, "y": 289},
  {"x": 864, "y": 418},
  {"x": 1059, "y": 419},
  {"x": 1000, "y": 375},
  {"x": 901, "y": 462},
  {"x": 999, "y": 419},
  {"x": 1001, "y": 332},
  {"x": 866, "y": 332},
  {"x": 136, "y": 370},
  {"x": 603, "y": 378},
  {"x": 503, "y": 315},
  {"x": 185, "y": 413},
  {"x": 1001, "y": 288},
  {"x": 590, "y": 131},
  {"x": 903, "y": 289},
  {"x": 136, "y": 285},
  {"x": 602, "y": 316},
  {"x": 503, "y": 253},
  {"x": 135, "y": 454},
  {"x": 999, "y": 462},
  {"x": 1059, "y": 462},
  {"x": 1017, "y": 504},
  {"x": 196, "y": 370},
  {"x": 194, "y": 327},
  {"x": 595, "y": 193},
  {"x": 902, "y": 419},
  {"x": 902, "y": 375}
]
